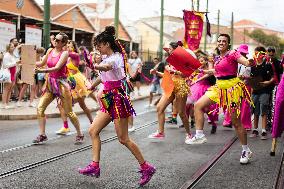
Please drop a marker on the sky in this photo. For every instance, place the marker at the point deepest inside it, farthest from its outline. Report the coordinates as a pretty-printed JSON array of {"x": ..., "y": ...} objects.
[{"x": 265, "y": 12}]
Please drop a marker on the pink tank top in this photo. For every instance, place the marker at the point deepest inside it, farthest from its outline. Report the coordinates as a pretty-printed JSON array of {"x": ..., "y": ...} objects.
[
  {"x": 52, "y": 61},
  {"x": 227, "y": 65}
]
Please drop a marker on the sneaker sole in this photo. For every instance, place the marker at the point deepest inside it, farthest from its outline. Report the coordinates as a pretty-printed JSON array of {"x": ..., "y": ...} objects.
[
  {"x": 90, "y": 175},
  {"x": 39, "y": 143},
  {"x": 78, "y": 143},
  {"x": 197, "y": 143},
  {"x": 62, "y": 133},
  {"x": 253, "y": 136},
  {"x": 156, "y": 139}
]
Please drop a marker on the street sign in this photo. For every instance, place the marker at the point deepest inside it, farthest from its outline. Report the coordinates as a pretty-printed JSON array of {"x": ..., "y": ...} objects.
[{"x": 20, "y": 4}]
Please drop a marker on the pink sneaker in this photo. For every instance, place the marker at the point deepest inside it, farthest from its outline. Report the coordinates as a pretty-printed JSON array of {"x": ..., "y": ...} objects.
[
  {"x": 157, "y": 135},
  {"x": 90, "y": 170},
  {"x": 146, "y": 174}
]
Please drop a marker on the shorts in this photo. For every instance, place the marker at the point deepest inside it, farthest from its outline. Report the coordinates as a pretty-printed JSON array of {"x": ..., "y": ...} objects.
[
  {"x": 261, "y": 104},
  {"x": 13, "y": 73},
  {"x": 136, "y": 78},
  {"x": 181, "y": 89},
  {"x": 156, "y": 88}
]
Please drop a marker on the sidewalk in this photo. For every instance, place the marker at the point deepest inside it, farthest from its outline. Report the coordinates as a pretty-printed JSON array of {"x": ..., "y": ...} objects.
[{"x": 27, "y": 113}]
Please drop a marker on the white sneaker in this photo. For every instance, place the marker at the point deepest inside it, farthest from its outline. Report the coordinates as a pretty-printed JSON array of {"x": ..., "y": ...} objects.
[
  {"x": 8, "y": 107},
  {"x": 33, "y": 104},
  {"x": 19, "y": 104},
  {"x": 195, "y": 140},
  {"x": 131, "y": 129},
  {"x": 188, "y": 137},
  {"x": 245, "y": 157}
]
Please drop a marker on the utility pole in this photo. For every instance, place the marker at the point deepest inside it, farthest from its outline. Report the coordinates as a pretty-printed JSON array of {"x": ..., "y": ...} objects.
[
  {"x": 161, "y": 29},
  {"x": 232, "y": 31},
  {"x": 46, "y": 24},
  {"x": 244, "y": 36},
  {"x": 116, "y": 17},
  {"x": 218, "y": 23},
  {"x": 197, "y": 5},
  {"x": 205, "y": 29}
]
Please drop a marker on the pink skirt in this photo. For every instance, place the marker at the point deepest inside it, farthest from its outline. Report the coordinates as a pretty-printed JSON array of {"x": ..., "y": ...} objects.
[
  {"x": 115, "y": 101},
  {"x": 198, "y": 90},
  {"x": 13, "y": 73}
]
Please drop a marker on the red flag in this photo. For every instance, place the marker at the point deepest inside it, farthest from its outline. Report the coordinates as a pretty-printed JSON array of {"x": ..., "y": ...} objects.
[
  {"x": 183, "y": 61},
  {"x": 193, "y": 29}
]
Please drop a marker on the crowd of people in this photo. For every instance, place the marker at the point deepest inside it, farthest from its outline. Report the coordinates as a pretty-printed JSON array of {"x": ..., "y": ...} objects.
[{"x": 227, "y": 82}]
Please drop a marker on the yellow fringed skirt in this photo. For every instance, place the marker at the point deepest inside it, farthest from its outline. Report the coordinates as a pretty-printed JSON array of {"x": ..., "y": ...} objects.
[
  {"x": 229, "y": 94},
  {"x": 80, "y": 90}
]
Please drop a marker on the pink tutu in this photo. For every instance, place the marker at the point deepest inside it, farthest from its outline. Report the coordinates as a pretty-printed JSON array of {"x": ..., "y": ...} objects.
[{"x": 198, "y": 90}]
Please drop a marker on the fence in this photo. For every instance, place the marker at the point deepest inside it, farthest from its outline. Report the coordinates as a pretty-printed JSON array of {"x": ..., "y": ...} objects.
[{"x": 147, "y": 56}]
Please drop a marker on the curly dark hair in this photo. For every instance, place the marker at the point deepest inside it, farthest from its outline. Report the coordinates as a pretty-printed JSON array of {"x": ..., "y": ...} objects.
[
  {"x": 174, "y": 45},
  {"x": 107, "y": 36}
]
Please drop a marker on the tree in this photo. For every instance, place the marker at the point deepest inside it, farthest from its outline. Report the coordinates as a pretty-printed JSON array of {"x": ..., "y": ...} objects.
[{"x": 268, "y": 40}]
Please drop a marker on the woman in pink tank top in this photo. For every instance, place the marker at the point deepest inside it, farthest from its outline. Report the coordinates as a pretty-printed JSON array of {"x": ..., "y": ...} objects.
[
  {"x": 56, "y": 87},
  {"x": 229, "y": 92}
]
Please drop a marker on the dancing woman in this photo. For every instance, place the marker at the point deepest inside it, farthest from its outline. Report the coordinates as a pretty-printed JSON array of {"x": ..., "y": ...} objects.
[
  {"x": 199, "y": 84},
  {"x": 228, "y": 92},
  {"x": 116, "y": 105},
  {"x": 56, "y": 87},
  {"x": 179, "y": 93},
  {"x": 79, "y": 90}
]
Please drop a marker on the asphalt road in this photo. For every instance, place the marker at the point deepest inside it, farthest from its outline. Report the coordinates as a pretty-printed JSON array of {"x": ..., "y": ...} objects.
[{"x": 175, "y": 161}]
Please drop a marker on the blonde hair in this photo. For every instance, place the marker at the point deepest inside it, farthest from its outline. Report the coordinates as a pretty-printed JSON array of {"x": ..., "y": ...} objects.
[
  {"x": 40, "y": 50},
  {"x": 8, "y": 47}
]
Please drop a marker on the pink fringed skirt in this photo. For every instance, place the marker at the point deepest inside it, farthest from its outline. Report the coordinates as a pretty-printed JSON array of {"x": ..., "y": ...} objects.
[{"x": 115, "y": 101}]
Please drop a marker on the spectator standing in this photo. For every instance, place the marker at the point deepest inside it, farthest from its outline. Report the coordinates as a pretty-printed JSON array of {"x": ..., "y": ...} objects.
[
  {"x": 262, "y": 73},
  {"x": 136, "y": 66},
  {"x": 156, "y": 86},
  {"x": 10, "y": 62}
]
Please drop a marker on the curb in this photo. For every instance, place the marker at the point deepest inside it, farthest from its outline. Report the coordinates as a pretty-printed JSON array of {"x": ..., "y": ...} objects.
[{"x": 53, "y": 115}]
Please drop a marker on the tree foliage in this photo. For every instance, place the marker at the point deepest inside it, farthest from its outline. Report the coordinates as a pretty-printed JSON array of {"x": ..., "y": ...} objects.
[{"x": 268, "y": 40}]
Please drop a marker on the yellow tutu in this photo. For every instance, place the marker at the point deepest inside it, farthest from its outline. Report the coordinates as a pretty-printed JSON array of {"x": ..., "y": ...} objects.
[
  {"x": 81, "y": 86},
  {"x": 229, "y": 94},
  {"x": 80, "y": 90}
]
